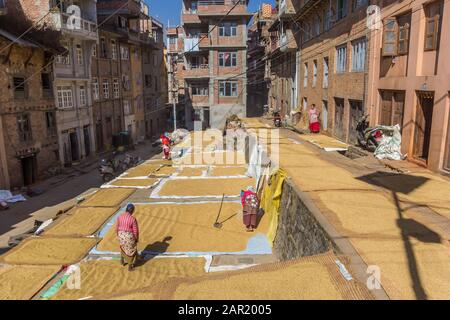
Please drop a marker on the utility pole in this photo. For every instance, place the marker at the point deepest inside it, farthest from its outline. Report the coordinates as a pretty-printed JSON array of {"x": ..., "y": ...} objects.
[{"x": 173, "y": 95}]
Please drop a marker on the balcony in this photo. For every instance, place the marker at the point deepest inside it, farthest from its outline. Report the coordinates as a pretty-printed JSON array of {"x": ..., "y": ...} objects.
[
  {"x": 221, "y": 7},
  {"x": 287, "y": 41},
  {"x": 287, "y": 8},
  {"x": 200, "y": 71},
  {"x": 85, "y": 29}
]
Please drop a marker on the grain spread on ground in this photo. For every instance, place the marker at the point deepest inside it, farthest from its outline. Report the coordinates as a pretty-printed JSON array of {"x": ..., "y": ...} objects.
[
  {"x": 46, "y": 251},
  {"x": 108, "y": 197},
  {"x": 192, "y": 172},
  {"x": 164, "y": 171},
  {"x": 227, "y": 171},
  {"x": 312, "y": 278},
  {"x": 142, "y": 170},
  {"x": 190, "y": 227},
  {"x": 205, "y": 187},
  {"x": 103, "y": 277},
  {"x": 23, "y": 282},
  {"x": 134, "y": 182},
  {"x": 80, "y": 222}
]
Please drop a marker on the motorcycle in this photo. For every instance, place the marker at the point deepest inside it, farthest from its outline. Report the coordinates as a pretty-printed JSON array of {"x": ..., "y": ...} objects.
[
  {"x": 277, "y": 120},
  {"x": 130, "y": 161},
  {"x": 109, "y": 168},
  {"x": 368, "y": 137}
]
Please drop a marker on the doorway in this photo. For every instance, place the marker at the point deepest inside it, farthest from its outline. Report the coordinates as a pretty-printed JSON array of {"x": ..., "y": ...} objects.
[
  {"x": 99, "y": 135},
  {"x": 324, "y": 115},
  {"x": 87, "y": 140},
  {"x": 206, "y": 118},
  {"x": 356, "y": 112},
  {"x": 339, "y": 118},
  {"x": 422, "y": 124},
  {"x": 74, "y": 150},
  {"x": 29, "y": 169}
]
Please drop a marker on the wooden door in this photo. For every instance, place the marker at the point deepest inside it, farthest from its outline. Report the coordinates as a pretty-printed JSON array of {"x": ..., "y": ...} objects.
[
  {"x": 339, "y": 118},
  {"x": 423, "y": 122},
  {"x": 356, "y": 112}
]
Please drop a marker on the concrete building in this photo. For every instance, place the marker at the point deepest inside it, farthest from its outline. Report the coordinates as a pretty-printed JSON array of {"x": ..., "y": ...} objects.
[
  {"x": 258, "y": 40},
  {"x": 409, "y": 78},
  {"x": 283, "y": 61},
  {"x": 141, "y": 52},
  {"x": 72, "y": 76},
  {"x": 28, "y": 135},
  {"x": 214, "y": 60}
]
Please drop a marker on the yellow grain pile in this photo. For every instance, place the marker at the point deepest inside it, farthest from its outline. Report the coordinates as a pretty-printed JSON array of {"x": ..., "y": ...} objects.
[
  {"x": 23, "y": 282},
  {"x": 323, "y": 141},
  {"x": 80, "y": 222},
  {"x": 205, "y": 187},
  {"x": 190, "y": 227},
  {"x": 43, "y": 251},
  {"x": 134, "y": 182},
  {"x": 227, "y": 171},
  {"x": 142, "y": 170},
  {"x": 164, "y": 171},
  {"x": 306, "y": 278},
  {"x": 192, "y": 172},
  {"x": 108, "y": 277},
  {"x": 216, "y": 158},
  {"x": 108, "y": 197}
]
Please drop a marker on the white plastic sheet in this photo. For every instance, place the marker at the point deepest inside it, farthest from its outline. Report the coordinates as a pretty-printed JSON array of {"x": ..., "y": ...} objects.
[
  {"x": 390, "y": 144},
  {"x": 7, "y": 196}
]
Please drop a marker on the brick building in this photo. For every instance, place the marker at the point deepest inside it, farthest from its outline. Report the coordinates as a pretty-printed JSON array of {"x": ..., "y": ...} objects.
[
  {"x": 409, "y": 78},
  {"x": 28, "y": 135},
  {"x": 214, "y": 60},
  {"x": 258, "y": 40}
]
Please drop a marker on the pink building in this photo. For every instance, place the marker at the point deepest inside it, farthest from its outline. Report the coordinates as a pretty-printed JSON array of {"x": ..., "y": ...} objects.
[{"x": 409, "y": 78}]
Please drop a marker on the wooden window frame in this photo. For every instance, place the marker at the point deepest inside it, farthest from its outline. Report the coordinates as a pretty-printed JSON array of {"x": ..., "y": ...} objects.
[
  {"x": 436, "y": 21},
  {"x": 394, "y": 42}
]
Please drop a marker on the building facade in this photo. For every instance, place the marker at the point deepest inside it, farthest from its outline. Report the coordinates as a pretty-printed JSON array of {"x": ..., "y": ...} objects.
[
  {"x": 214, "y": 61},
  {"x": 28, "y": 134},
  {"x": 409, "y": 81}
]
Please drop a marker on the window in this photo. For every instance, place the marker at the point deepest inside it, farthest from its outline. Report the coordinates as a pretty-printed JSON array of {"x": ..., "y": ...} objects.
[
  {"x": 314, "y": 73},
  {"x": 95, "y": 91},
  {"x": 327, "y": 19},
  {"x": 126, "y": 107},
  {"x": 148, "y": 80},
  {"x": 113, "y": 50},
  {"x": 116, "y": 91},
  {"x": 359, "y": 55},
  {"x": 24, "y": 127},
  {"x": 124, "y": 53},
  {"x": 396, "y": 35},
  {"x": 103, "y": 51},
  {"x": 94, "y": 50},
  {"x": 403, "y": 33},
  {"x": 359, "y": 4},
  {"x": 50, "y": 120},
  {"x": 341, "y": 58},
  {"x": 105, "y": 88},
  {"x": 79, "y": 52},
  {"x": 433, "y": 14},
  {"x": 199, "y": 90},
  {"x": 64, "y": 58},
  {"x": 305, "y": 75},
  {"x": 45, "y": 78},
  {"x": 194, "y": 6},
  {"x": 172, "y": 40},
  {"x": 82, "y": 96},
  {"x": 19, "y": 88},
  {"x": 227, "y": 59},
  {"x": 65, "y": 98},
  {"x": 122, "y": 22},
  {"x": 325, "y": 73},
  {"x": 341, "y": 8},
  {"x": 316, "y": 26},
  {"x": 390, "y": 37},
  {"x": 228, "y": 88},
  {"x": 228, "y": 29}
]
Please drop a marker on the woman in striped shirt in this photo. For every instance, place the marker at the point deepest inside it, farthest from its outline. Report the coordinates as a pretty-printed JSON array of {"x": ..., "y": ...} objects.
[{"x": 128, "y": 234}]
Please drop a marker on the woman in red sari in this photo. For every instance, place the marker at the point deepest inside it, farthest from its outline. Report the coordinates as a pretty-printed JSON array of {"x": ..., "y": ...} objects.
[
  {"x": 250, "y": 207},
  {"x": 128, "y": 234},
  {"x": 314, "y": 124}
]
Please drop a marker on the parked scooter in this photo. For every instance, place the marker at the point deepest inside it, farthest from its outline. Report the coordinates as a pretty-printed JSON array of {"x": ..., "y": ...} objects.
[
  {"x": 277, "y": 122},
  {"x": 109, "y": 168},
  {"x": 369, "y": 138},
  {"x": 130, "y": 161}
]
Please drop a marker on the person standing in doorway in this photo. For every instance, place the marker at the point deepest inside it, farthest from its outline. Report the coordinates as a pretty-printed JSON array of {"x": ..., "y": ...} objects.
[{"x": 314, "y": 124}]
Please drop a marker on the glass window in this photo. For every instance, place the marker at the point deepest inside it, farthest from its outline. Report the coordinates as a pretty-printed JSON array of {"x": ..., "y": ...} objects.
[
  {"x": 228, "y": 88},
  {"x": 359, "y": 55},
  {"x": 341, "y": 58},
  {"x": 65, "y": 98},
  {"x": 228, "y": 29},
  {"x": 95, "y": 90},
  {"x": 227, "y": 59},
  {"x": 105, "y": 88}
]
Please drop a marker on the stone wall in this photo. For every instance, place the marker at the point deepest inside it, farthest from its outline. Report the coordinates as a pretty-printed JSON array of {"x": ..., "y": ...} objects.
[{"x": 299, "y": 234}]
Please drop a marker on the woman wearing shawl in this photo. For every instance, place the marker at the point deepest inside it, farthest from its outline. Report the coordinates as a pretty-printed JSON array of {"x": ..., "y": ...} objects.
[
  {"x": 250, "y": 207},
  {"x": 128, "y": 234}
]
